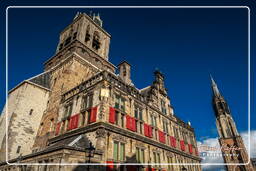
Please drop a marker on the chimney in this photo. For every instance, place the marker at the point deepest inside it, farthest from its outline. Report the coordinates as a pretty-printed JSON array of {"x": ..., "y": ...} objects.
[{"x": 125, "y": 72}]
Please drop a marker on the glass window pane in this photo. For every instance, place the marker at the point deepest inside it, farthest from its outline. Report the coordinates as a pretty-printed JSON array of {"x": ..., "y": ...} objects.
[
  {"x": 122, "y": 152},
  {"x": 122, "y": 104},
  {"x": 115, "y": 151},
  {"x": 135, "y": 113},
  {"x": 137, "y": 155},
  {"x": 142, "y": 156},
  {"x": 140, "y": 114}
]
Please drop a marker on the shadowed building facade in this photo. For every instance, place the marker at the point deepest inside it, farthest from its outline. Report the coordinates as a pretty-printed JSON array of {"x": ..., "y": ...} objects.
[
  {"x": 233, "y": 149},
  {"x": 90, "y": 104}
]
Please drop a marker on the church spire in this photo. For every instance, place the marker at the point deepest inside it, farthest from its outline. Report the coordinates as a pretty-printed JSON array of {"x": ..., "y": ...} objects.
[
  {"x": 228, "y": 134},
  {"x": 215, "y": 89}
]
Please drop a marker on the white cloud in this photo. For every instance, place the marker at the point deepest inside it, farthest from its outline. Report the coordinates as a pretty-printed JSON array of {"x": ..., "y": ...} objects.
[
  {"x": 213, "y": 156},
  {"x": 245, "y": 137}
]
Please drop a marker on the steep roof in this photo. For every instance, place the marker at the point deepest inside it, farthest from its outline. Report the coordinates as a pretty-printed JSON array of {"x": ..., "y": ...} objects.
[{"x": 42, "y": 79}]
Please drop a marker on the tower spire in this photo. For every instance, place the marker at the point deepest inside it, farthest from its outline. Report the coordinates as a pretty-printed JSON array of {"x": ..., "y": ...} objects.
[
  {"x": 215, "y": 89},
  {"x": 228, "y": 134}
]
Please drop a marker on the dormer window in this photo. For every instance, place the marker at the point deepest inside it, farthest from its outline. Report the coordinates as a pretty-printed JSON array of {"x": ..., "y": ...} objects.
[
  {"x": 96, "y": 41},
  {"x": 163, "y": 107}
]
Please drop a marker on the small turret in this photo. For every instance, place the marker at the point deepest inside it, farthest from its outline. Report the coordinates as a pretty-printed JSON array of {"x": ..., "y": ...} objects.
[{"x": 125, "y": 72}]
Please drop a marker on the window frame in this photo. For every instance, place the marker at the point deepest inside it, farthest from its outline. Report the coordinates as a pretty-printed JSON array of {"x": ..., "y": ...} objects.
[{"x": 120, "y": 151}]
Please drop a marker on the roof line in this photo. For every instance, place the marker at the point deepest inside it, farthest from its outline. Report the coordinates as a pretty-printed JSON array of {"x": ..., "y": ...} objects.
[{"x": 29, "y": 82}]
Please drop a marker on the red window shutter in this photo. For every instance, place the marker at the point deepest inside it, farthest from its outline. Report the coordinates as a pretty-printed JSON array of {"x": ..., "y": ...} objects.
[
  {"x": 70, "y": 124},
  {"x": 131, "y": 127},
  {"x": 161, "y": 136},
  {"x": 134, "y": 124},
  {"x": 112, "y": 115},
  {"x": 110, "y": 166},
  {"x": 75, "y": 120},
  {"x": 190, "y": 148},
  {"x": 182, "y": 145},
  {"x": 173, "y": 141},
  {"x": 57, "y": 128},
  {"x": 128, "y": 122},
  {"x": 150, "y": 133},
  {"x": 93, "y": 114},
  {"x": 146, "y": 129},
  {"x": 164, "y": 137}
]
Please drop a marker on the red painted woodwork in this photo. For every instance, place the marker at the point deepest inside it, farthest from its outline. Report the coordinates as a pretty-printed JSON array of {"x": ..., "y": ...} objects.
[
  {"x": 57, "y": 128},
  {"x": 182, "y": 145},
  {"x": 112, "y": 115},
  {"x": 93, "y": 115},
  {"x": 173, "y": 141},
  {"x": 161, "y": 136}
]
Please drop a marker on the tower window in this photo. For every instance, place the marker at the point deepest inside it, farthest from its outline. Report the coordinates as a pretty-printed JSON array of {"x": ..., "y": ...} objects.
[
  {"x": 31, "y": 111},
  {"x": 74, "y": 35},
  {"x": 87, "y": 35},
  {"x": 96, "y": 41},
  {"x": 220, "y": 105},
  {"x": 68, "y": 40},
  {"x": 61, "y": 46},
  {"x": 18, "y": 149}
]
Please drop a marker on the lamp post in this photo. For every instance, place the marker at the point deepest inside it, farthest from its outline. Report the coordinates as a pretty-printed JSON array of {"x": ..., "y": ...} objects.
[
  {"x": 19, "y": 159},
  {"x": 90, "y": 151},
  {"x": 184, "y": 169}
]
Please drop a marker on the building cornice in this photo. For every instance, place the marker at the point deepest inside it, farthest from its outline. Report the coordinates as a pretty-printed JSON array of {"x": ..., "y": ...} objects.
[{"x": 112, "y": 128}]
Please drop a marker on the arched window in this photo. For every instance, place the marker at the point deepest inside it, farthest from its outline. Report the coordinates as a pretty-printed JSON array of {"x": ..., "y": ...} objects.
[
  {"x": 96, "y": 41},
  {"x": 87, "y": 35}
]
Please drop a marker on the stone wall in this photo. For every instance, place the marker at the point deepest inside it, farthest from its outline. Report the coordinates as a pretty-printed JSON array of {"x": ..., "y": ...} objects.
[
  {"x": 26, "y": 105},
  {"x": 66, "y": 76}
]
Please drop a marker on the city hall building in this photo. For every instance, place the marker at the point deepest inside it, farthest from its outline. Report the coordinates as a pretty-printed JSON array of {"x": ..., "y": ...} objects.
[{"x": 94, "y": 114}]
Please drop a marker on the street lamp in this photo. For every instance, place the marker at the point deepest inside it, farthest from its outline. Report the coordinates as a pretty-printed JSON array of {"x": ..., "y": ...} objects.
[
  {"x": 90, "y": 151},
  {"x": 184, "y": 169},
  {"x": 19, "y": 159}
]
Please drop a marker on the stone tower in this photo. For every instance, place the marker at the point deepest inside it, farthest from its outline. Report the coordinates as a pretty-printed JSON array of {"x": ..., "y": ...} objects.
[
  {"x": 82, "y": 51},
  {"x": 233, "y": 149}
]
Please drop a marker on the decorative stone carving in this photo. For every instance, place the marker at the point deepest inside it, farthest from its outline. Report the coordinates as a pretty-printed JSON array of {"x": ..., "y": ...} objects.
[
  {"x": 140, "y": 144},
  {"x": 119, "y": 138},
  {"x": 101, "y": 133}
]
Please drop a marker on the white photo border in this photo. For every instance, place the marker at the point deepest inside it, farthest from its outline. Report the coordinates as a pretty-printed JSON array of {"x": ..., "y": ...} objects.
[{"x": 138, "y": 164}]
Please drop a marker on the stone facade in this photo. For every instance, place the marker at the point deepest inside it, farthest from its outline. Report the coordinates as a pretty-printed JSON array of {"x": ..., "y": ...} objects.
[
  {"x": 26, "y": 105},
  {"x": 90, "y": 105}
]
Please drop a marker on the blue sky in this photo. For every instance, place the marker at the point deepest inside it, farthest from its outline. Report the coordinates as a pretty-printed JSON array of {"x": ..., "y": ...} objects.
[{"x": 185, "y": 44}]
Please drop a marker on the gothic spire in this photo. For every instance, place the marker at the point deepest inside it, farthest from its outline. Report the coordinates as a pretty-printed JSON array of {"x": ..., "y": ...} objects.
[{"x": 215, "y": 89}]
